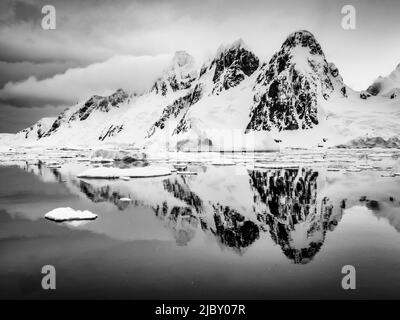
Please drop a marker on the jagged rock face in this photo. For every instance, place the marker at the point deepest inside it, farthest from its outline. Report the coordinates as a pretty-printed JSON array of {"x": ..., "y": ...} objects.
[
  {"x": 95, "y": 103},
  {"x": 395, "y": 93},
  {"x": 374, "y": 88},
  {"x": 288, "y": 87},
  {"x": 178, "y": 76},
  {"x": 364, "y": 95},
  {"x": 103, "y": 104},
  {"x": 173, "y": 110},
  {"x": 111, "y": 131},
  {"x": 232, "y": 65}
]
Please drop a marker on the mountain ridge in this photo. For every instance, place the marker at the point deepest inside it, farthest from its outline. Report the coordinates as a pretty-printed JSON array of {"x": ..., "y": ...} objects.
[{"x": 297, "y": 99}]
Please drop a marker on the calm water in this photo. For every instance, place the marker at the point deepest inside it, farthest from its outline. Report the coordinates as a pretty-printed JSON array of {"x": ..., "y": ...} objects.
[{"x": 223, "y": 233}]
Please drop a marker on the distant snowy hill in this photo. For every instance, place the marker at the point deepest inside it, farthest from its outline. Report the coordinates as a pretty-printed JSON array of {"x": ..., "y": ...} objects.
[
  {"x": 233, "y": 102},
  {"x": 387, "y": 86},
  {"x": 37, "y": 130}
]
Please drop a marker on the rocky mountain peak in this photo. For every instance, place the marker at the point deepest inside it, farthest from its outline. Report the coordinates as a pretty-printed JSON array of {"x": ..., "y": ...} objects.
[
  {"x": 287, "y": 89},
  {"x": 305, "y": 39},
  {"x": 231, "y": 65},
  {"x": 235, "y": 45},
  {"x": 386, "y": 86},
  {"x": 178, "y": 75}
]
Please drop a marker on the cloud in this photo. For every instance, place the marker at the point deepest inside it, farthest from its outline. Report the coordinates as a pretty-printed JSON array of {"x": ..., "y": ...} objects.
[
  {"x": 123, "y": 71},
  {"x": 14, "y": 119},
  {"x": 17, "y": 71}
]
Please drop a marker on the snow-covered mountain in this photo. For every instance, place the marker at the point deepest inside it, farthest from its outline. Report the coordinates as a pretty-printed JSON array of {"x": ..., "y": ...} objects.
[
  {"x": 288, "y": 88},
  {"x": 388, "y": 86},
  {"x": 233, "y": 102},
  {"x": 37, "y": 130},
  {"x": 218, "y": 101}
]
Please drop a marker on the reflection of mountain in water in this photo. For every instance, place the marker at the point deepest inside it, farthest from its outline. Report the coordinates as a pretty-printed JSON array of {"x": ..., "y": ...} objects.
[
  {"x": 179, "y": 220},
  {"x": 285, "y": 205},
  {"x": 232, "y": 229},
  {"x": 182, "y": 192},
  {"x": 102, "y": 194},
  {"x": 285, "y": 202},
  {"x": 229, "y": 227}
]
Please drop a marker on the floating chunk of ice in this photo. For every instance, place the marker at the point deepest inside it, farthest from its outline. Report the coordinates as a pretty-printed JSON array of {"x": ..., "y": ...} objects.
[
  {"x": 69, "y": 214},
  {"x": 387, "y": 175}
]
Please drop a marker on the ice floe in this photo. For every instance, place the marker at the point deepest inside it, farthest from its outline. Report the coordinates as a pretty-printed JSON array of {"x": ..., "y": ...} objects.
[
  {"x": 114, "y": 173},
  {"x": 69, "y": 214}
]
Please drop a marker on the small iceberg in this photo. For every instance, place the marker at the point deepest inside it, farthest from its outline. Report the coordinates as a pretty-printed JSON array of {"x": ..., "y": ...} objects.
[
  {"x": 69, "y": 214},
  {"x": 222, "y": 163},
  {"x": 189, "y": 173},
  {"x": 114, "y": 173},
  {"x": 180, "y": 166},
  {"x": 387, "y": 175}
]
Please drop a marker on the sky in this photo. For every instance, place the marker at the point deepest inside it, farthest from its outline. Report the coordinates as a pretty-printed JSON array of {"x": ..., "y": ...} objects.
[{"x": 99, "y": 46}]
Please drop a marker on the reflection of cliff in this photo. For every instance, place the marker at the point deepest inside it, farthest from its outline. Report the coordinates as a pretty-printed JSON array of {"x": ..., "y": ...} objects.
[
  {"x": 229, "y": 227},
  {"x": 102, "y": 194},
  {"x": 179, "y": 220},
  {"x": 285, "y": 202},
  {"x": 232, "y": 229},
  {"x": 182, "y": 192}
]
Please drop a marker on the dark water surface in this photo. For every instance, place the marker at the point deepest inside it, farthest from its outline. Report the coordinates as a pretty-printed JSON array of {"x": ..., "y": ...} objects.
[{"x": 262, "y": 234}]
